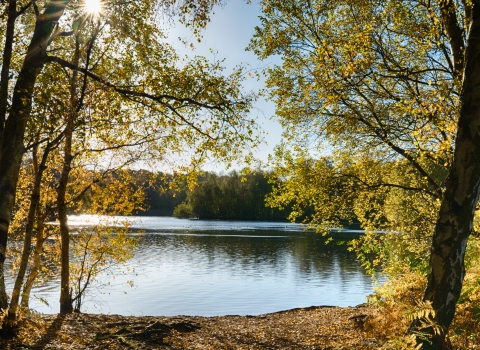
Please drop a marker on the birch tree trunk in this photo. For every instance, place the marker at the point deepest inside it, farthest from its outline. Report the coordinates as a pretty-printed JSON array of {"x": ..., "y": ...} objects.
[{"x": 455, "y": 220}]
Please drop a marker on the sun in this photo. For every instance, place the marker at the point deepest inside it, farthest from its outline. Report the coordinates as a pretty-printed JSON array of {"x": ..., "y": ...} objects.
[{"x": 93, "y": 6}]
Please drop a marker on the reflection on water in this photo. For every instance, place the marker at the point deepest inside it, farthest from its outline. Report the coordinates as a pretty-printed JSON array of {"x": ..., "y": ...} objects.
[{"x": 194, "y": 267}]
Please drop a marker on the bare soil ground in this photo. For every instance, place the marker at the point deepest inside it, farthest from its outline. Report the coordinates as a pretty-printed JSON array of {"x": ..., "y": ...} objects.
[{"x": 309, "y": 328}]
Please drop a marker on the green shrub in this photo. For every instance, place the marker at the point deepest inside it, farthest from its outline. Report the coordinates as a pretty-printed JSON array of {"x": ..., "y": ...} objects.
[{"x": 183, "y": 210}]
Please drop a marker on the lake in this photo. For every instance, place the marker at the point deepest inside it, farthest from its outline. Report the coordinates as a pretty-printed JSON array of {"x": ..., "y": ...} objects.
[{"x": 207, "y": 268}]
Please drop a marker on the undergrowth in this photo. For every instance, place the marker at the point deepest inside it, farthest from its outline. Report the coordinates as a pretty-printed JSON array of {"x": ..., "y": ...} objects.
[{"x": 397, "y": 303}]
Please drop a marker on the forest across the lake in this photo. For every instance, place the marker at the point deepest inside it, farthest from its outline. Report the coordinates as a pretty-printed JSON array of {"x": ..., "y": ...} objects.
[{"x": 232, "y": 196}]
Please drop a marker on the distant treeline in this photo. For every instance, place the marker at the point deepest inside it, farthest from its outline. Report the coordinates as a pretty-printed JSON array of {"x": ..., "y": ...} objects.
[
  {"x": 229, "y": 197},
  {"x": 233, "y": 196}
]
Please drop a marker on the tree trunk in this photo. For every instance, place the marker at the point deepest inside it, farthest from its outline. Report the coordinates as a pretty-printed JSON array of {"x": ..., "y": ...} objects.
[
  {"x": 7, "y": 58},
  {"x": 12, "y": 143},
  {"x": 66, "y": 302},
  {"x": 37, "y": 253},
  {"x": 455, "y": 221},
  {"x": 65, "y": 292},
  {"x": 35, "y": 199}
]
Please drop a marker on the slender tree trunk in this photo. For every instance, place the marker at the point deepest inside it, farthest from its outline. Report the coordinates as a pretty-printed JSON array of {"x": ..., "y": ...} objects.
[
  {"x": 35, "y": 199},
  {"x": 65, "y": 292},
  {"x": 37, "y": 253},
  {"x": 455, "y": 221},
  {"x": 66, "y": 302},
  {"x": 12, "y": 142}
]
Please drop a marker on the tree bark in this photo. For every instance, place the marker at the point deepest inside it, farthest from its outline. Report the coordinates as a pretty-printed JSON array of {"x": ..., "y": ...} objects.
[
  {"x": 455, "y": 220},
  {"x": 12, "y": 143}
]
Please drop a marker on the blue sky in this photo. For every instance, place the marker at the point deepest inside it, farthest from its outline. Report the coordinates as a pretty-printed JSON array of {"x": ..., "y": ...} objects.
[{"x": 228, "y": 34}]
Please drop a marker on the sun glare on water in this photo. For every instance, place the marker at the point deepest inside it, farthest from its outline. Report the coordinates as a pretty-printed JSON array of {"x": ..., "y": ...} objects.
[{"x": 93, "y": 6}]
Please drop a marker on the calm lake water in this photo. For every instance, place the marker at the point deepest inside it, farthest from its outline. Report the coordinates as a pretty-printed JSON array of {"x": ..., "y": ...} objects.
[{"x": 196, "y": 267}]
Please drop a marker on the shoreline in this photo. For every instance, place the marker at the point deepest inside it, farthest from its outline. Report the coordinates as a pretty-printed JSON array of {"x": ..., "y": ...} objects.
[{"x": 314, "y": 327}]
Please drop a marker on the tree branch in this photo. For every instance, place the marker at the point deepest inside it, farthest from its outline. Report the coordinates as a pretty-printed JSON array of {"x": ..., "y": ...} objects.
[
  {"x": 157, "y": 98},
  {"x": 25, "y": 8},
  {"x": 457, "y": 43},
  {"x": 162, "y": 99}
]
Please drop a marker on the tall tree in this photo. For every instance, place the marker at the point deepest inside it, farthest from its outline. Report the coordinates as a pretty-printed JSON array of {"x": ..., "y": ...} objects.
[
  {"x": 462, "y": 189},
  {"x": 388, "y": 82}
]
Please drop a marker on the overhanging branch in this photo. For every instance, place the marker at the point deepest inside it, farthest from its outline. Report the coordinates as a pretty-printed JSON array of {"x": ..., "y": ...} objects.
[{"x": 158, "y": 98}]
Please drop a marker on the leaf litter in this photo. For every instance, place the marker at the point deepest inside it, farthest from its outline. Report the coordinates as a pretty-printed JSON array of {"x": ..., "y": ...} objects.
[{"x": 304, "y": 328}]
